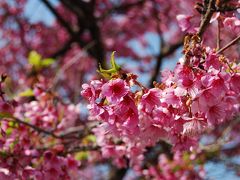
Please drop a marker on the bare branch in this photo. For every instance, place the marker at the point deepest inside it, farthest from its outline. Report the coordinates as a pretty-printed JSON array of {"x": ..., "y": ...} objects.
[
  {"x": 218, "y": 36},
  {"x": 206, "y": 19},
  {"x": 223, "y": 139},
  {"x": 229, "y": 44},
  {"x": 82, "y": 148},
  {"x": 122, "y": 8},
  {"x": 224, "y": 9},
  {"x": 164, "y": 53},
  {"x": 63, "y": 49},
  {"x": 64, "y": 135},
  {"x": 36, "y": 128},
  {"x": 59, "y": 17},
  {"x": 97, "y": 51}
]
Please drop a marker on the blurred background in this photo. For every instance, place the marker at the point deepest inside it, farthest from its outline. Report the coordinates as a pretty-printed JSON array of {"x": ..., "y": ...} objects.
[{"x": 79, "y": 35}]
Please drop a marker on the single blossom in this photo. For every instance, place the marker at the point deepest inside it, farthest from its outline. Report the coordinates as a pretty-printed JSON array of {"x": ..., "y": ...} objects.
[
  {"x": 194, "y": 126},
  {"x": 114, "y": 90},
  {"x": 232, "y": 22},
  {"x": 235, "y": 83},
  {"x": 126, "y": 113},
  {"x": 151, "y": 99},
  {"x": 216, "y": 113},
  {"x": 184, "y": 22},
  {"x": 212, "y": 60}
]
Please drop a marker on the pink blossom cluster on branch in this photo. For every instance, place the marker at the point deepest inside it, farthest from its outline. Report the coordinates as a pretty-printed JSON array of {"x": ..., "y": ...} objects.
[
  {"x": 36, "y": 157},
  {"x": 201, "y": 93},
  {"x": 155, "y": 132}
]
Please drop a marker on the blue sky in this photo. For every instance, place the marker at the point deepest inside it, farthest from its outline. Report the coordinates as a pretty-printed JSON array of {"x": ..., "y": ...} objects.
[{"x": 36, "y": 11}]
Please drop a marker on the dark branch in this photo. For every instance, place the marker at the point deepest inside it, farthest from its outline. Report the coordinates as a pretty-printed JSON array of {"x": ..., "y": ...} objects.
[
  {"x": 218, "y": 36},
  {"x": 77, "y": 132},
  {"x": 63, "y": 49},
  {"x": 36, "y": 128},
  {"x": 224, "y": 9},
  {"x": 164, "y": 53},
  {"x": 122, "y": 8},
  {"x": 229, "y": 44},
  {"x": 117, "y": 174},
  {"x": 59, "y": 17},
  {"x": 85, "y": 15},
  {"x": 206, "y": 18},
  {"x": 82, "y": 148}
]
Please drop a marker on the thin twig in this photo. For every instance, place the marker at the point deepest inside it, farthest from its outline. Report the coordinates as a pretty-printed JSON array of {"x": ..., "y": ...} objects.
[
  {"x": 64, "y": 135},
  {"x": 166, "y": 52},
  {"x": 223, "y": 139},
  {"x": 72, "y": 130},
  {"x": 70, "y": 62},
  {"x": 229, "y": 45},
  {"x": 121, "y": 9},
  {"x": 59, "y": 17},
  {"x": 206, "y": 19},
  {"x": 82, "y": 148},
  {"x": 227, "y": 9},
  {"x": 63, "y": 49},
  {"x": 38, "y": 129},
  {"x": 162, "y": 47},
  {"x": 218, "y": 35}
]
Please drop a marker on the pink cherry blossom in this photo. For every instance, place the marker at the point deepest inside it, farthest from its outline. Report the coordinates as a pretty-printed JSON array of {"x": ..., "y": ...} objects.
[
  {"x": 184, "y": 22},
  {"x": 114, "y": 90}
]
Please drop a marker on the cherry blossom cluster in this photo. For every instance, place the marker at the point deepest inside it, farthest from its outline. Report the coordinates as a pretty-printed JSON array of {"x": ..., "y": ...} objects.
[
  {"x": 176, "y": 168},
  {"x": 36, "y": 157},
  {"x": 42, "y": 135},
  {"x": 47, "y": 114},
  {"x": 201, "y": 93}
]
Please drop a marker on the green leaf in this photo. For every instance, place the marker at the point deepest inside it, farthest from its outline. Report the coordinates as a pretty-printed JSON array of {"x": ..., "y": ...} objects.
[
  {"x": 9, "y": 131},
  {"x": 5, "y": 115},
  {"x": 47, "y": 62},
  {"x": 186, "y": 156},
  {"x": 113, "y": 62},
  {"x": 34, "y": 59},
  {"x": 13, "y": 124},
  {"x": 12, "y": 145},
  {"x": 80, "y": 156},
  {"x": 107, "y": 73},
  {"x": 3, "y": 154},
  {"x": 176, "y": 168},
  {"x": 91, "y": 138},
  {"x": 26, "y": 93}
]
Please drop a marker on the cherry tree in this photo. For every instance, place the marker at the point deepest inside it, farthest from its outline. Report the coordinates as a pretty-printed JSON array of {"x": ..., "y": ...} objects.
[{"x": 67, "y": 112}]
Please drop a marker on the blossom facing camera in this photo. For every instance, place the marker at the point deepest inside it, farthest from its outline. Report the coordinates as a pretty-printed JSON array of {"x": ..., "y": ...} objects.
[{"x": 115, "y": 90}]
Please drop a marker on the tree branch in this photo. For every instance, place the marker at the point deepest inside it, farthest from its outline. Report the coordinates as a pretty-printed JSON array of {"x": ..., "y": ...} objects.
[
  {"x": 63, "y": 49},
  {"x": 229, "y": 44},
  {"x": 87, "y": 21},
  {"x": 164, "y": 53},
  {"x": 222, "y": 140},
  {"x": 59, "y": 17},
  {"x": 218, "y": 35},
  {"x": 82, "y": 148},
  {"x": 74, "y": 8},
  {"x": 122, "y": 8},
  {"x": 36, "y": 128},
  {"x": 117, "y": 174},
  {"x": 64, "y": 135},
  {"x": 224, "y": 9},
  {"x": 206, "y": 19}
]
